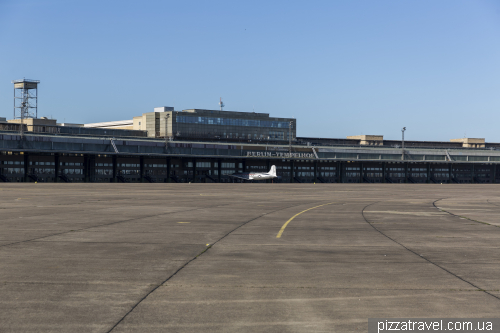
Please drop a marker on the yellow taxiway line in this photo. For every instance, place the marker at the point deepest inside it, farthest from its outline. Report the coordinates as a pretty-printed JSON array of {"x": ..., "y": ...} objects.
[{"x": 290, "y": 220}]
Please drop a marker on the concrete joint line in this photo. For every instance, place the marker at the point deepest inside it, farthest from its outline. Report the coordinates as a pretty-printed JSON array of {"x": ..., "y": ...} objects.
[
  {"x": 419, "y": 255},
  {"x": 106, "y": 225},
  {"x": 464, "y": 217},
  {"x": 189, "y": 261}
]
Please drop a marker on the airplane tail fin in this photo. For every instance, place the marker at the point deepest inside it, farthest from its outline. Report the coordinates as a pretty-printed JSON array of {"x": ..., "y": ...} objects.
[{"x": 273, "y": 170}]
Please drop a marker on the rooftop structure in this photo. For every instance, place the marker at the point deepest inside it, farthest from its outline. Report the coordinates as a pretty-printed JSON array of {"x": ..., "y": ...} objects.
[
  {"x": 119, "y": 124},
  {"x": 214, "y": 124},
  {"x": 25, "y": 98},
  {"x": 371, "y": 140},
  {"x": 37, "y": 124},
  {"x": 378, "y": 140},
  {"x": 471, "y": 142}
]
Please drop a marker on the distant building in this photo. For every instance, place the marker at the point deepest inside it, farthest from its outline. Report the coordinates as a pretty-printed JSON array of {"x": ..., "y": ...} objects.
[
  {"x": 370, "y": 140},
  {"x": 210, "y": 145},
  {"x": 471, "y": 142},
  {"x": 37, "y": 124},
  {"x": 207, "y": 124}
]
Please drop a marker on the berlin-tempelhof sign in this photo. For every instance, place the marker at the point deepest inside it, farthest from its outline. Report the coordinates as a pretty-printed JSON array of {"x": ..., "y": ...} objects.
[{"x": 279, "y": 154}]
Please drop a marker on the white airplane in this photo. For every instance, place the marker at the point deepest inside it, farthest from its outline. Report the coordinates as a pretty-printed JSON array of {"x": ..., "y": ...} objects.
[{"x": 257, "y": 175}]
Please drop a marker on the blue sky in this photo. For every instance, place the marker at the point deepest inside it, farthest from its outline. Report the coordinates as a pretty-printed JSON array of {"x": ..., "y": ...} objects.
[{"x": 340, "y": 67}]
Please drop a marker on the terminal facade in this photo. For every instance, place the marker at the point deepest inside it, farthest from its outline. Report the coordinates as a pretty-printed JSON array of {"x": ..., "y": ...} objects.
[
  {"x": 52, "y": 158},
  {"x": 208, "y": 124},
  {"x": 210, "y": 145}
]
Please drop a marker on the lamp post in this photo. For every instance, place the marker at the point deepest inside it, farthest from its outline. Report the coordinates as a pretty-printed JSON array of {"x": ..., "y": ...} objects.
[
  {"x": 403, "y": 143},
  {"x": 166, "y": 130},
  {"x": 24, "y": 108}
]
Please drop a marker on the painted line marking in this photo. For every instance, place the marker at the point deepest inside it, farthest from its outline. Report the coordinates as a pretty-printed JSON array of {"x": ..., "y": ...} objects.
[
  {"x": 183, "y": 222},
  {"x": 290, "y": 220}
]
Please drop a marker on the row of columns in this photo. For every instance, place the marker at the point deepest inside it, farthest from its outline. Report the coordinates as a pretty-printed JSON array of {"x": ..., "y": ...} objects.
[
  {"x": 90, "y": 160},
  {"x": 340, "y": 172},
  {"x": 88, "y": 168}
]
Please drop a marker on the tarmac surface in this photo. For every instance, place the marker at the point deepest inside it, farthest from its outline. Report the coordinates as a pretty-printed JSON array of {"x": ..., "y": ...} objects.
[{"x": 206, "y": 257}]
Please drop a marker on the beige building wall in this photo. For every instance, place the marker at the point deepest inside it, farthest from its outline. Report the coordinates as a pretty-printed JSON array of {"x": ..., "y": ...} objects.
[
  {"x": 139, "y": 124},
  {"x": 152, "y": 126},
  {"x": 31, "y": 122},
  {"x": 369, "y": 140},
  {"x": 154, "y": 123},
  {"x": 471, "y": 142}
]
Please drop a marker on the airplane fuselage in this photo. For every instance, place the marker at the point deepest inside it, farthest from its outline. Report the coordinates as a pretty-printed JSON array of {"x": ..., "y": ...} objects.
[{"x": 257, "y": 175}]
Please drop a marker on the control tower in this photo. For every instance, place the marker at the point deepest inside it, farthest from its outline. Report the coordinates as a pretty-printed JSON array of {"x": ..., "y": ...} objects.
[{"x": 25, "y": 99}]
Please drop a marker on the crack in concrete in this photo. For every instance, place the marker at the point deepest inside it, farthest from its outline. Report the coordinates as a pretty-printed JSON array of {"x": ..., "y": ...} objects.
[{"x": 488, "y": 201}]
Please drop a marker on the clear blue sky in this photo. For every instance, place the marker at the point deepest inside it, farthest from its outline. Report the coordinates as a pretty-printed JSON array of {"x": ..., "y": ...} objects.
[{"x": 340, "y": 67}]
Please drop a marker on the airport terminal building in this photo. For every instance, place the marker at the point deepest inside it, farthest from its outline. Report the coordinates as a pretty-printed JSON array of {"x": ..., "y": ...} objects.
[
  {"x": 199, "y": 145},
  {"x": 207, "y": 124}
]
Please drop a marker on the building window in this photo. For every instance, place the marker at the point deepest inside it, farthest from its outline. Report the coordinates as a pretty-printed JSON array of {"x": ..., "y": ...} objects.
[
  {"x": 231, "y": 122},
  {"x": 276, "y": 135}
]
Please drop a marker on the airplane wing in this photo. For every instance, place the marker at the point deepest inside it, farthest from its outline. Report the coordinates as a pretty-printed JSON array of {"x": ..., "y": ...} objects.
[{"x": 240, "y": 176}]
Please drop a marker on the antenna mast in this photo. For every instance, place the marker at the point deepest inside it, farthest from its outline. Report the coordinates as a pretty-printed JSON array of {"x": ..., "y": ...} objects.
[{"x": 221, "y": 104}]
